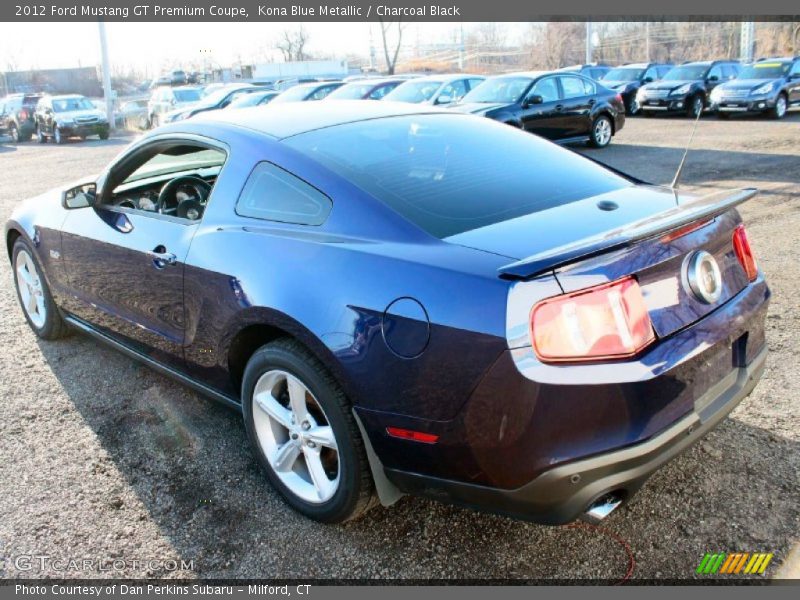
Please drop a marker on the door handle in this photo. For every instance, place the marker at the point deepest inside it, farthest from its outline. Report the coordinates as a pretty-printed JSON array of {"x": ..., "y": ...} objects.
[
  {"x": 162, "y": 258},
  {"x": 559, "y": 107},
  {"x": 591, "y": 102}
]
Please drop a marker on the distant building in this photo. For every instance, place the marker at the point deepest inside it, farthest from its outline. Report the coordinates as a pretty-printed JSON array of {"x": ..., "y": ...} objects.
[
  {"x": 306, "y": 69},
  {"x": 81, "y": 80}
]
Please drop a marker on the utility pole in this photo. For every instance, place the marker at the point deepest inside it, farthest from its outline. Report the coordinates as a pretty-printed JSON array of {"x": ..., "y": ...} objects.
[
  {"x": 461, "y": 50},
  {"x": 106, "y": 75},
  {"x": 747, "y": 41},
  {"x": 588, "y": 42},
  {"x": 647, "y": 40}
]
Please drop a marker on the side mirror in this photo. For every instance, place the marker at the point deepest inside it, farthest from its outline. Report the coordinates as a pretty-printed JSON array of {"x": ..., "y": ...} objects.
[
  {"x": 794, "y": 76},
  {"x": 647, "y": 80},
  {"x": 81, "y": 196},
  {"x": 713, "y": 78},
  {"x": 531, "y": 100},
  {"x": 444, "y": 99}
]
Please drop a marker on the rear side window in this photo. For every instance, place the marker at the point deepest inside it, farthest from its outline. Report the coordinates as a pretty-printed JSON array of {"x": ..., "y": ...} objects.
[
  {"x": 451, "y": 173},
  {"x": 572, "y": 87},
  {"x": 273, "y": 194}
]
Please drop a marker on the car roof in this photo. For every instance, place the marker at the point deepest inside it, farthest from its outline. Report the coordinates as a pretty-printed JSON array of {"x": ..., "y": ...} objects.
[
  {"x": 444, "y": 77},
  {"x": 293, "y": 118},
  {"x": 66, "y": 96}
]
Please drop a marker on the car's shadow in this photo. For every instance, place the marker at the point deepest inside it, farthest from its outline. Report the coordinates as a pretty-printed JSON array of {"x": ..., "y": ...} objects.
[
  {"x": 6, "y": 148},
  {"x": 188, "y": 462}
]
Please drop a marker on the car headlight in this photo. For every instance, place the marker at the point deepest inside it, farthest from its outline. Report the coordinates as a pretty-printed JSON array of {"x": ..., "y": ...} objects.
[
  {"x": 716, "y": 94},
  {"x": 681, "y": 90},
  {"x": 764, "y": 89},
  {"x": 641, "y": 93}
]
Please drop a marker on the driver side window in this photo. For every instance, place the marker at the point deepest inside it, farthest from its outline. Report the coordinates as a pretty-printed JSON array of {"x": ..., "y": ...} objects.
[{"x": 167, "y": 179}]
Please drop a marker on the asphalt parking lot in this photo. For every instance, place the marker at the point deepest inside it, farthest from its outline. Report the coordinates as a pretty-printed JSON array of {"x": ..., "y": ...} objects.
[{"x": 103, "y": 458}]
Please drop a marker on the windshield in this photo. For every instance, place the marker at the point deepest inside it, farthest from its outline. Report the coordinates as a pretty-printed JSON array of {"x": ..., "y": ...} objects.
[
  {"x": 413, "y": 91},
  {"x": 624, "y": 75},
  {"x": 499, "y": 89},
  {"x": 686, "y": 73},
  {"x": 253, "y": 99},
  {"x": 294, "y": 94},
  {"x": 218, "y": 96},
  {"x": 164, "y": 164},
  {"x": 764, "y": 70},
  {"x": 351, "y": 91},
  {"x": 70, "y": 104},
  {"x": 451, "y": 173},
  {"x": 187, "y": 95}
]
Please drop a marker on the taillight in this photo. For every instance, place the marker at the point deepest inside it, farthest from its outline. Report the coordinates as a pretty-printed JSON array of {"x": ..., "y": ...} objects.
[
  {"x": 744, "y": 252},
  {"x": 23, "y": 115},
  {"x": 603, "y": 322},
  {"x": 619, "y": 98}
]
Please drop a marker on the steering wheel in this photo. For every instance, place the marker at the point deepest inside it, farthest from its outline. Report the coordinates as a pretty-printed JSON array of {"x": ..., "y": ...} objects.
[{"x": 184, "y": 197}]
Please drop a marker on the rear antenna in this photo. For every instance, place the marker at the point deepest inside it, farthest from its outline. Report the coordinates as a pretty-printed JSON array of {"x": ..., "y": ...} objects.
[{"x": 678, "y": 173}]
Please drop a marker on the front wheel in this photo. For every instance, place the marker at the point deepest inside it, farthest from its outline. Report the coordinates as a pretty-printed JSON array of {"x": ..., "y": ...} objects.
[
  {"x": 14, "y": 133},
  {"x": 34, "y": 295},
  {"x": 633, "y": 107},
  {"x": 303, "y": 433},
  {"x": 103, "y": 135},
  {"x": 40, "y": 137},
  {"x": 779, "y": 110},
  {"x": 695, "y": 107},
  {"x": 57, "y": 137},
  {"x": 601, "y": 133}
]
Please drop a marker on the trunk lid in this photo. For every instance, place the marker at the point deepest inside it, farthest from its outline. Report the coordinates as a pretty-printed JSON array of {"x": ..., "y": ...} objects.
[{"x": 585, "y": 245}]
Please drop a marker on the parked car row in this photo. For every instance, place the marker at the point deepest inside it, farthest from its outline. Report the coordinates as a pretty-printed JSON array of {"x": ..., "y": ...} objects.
[{"x": 582, "y": 102}]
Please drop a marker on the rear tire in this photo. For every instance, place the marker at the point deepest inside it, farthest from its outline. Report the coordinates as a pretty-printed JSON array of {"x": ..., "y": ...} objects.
[
  {"x": 40, "y": 137},
  {"x": 602, "y": 132},
  {"x": 280, "y": 427},
  {"x": 34, "y": 296},
  {"x": 14, "y": 133},
  {"x": 57, "y": 137},
  {"x": 103, "y": 135}
]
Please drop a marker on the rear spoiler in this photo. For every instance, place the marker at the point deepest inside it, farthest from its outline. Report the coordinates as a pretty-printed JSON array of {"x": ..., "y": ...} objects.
[{"x": 705, "y": 207}]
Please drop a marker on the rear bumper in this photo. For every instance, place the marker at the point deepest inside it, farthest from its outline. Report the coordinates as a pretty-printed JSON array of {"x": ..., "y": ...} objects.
[{"x": 562, "y": 494}]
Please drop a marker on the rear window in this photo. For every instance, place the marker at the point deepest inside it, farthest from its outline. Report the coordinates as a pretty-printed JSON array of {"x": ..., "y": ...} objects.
[{"x": 449, "y": 173}]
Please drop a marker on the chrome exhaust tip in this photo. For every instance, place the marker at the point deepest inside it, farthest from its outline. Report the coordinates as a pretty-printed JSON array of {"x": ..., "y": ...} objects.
[{"x": 601, "y": 508}]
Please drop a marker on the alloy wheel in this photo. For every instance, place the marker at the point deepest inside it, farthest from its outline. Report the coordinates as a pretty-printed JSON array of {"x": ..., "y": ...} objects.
[
  {"x": 296, "y": 436},
  {"x": 14, "y": 134},
  {"x": 602, "y": 131},
  {"x": 697, "y": 106},
  {"x": 780, "y": 106},
  {"x": 31, "y": 292}
]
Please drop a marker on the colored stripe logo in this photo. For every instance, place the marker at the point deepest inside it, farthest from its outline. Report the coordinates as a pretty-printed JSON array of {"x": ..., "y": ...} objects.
[{"x": 734, "y": 563}]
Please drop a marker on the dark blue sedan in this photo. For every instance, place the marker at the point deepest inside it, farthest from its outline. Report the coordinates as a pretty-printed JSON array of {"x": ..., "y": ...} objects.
[{"x": 407, "y": 300}]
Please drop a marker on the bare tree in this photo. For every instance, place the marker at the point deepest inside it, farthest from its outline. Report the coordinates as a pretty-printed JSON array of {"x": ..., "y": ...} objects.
[
  {"x": 292, "y": 44},
  {"x": 386, "y": 27}
]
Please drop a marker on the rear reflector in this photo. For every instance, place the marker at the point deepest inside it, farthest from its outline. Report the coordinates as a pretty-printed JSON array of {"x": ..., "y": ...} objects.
[
  {"x": 744, "y": 252},
  {"x": 604, "y": 322},
  {"x": 414, "y": 436}
]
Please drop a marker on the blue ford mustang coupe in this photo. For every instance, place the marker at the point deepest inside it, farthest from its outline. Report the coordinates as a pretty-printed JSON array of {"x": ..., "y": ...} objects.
[{"x": 407, "y": 300}]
